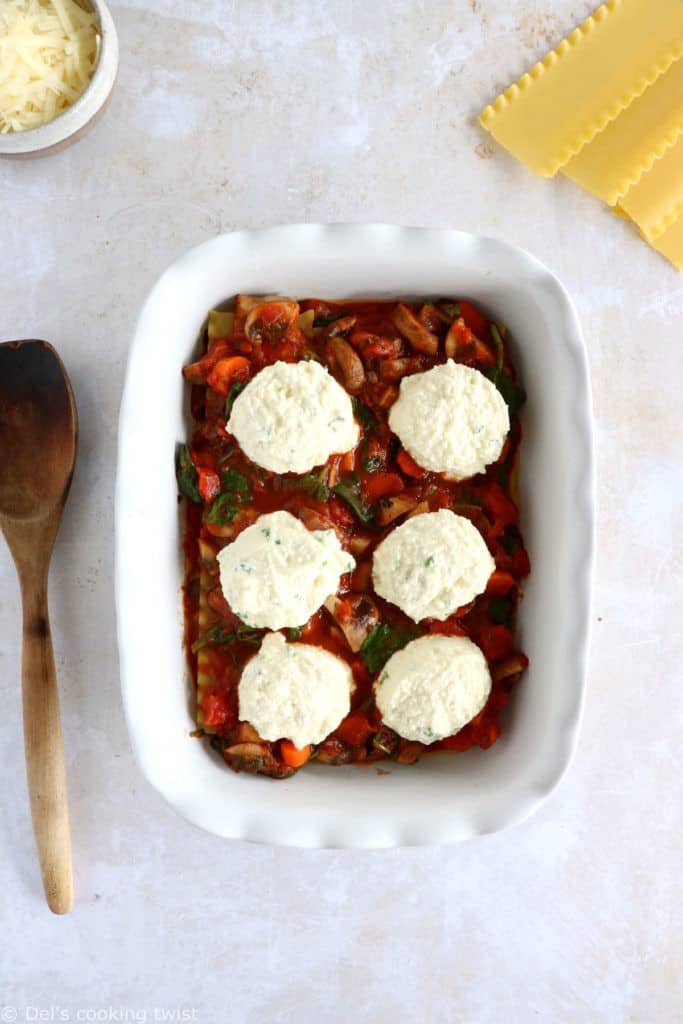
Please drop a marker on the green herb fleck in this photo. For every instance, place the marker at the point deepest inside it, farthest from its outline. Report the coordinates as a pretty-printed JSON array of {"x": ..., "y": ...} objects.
[
  {"x": 186, "y": 473},
  {"x": 429, "y": 561},
  {"x": 265, "y": 530},
  {"x": 382, "y": 642},
  {"x": 373, "y": 463},
  {"x": 294, "y": 633}
]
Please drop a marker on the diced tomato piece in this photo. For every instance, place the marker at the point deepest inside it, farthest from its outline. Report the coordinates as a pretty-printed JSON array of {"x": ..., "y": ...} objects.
[
  {"x": 226, "y": 372},
  {"x": 496, "y": 642},
  {"x": 500, "y": 583},
  {"x": 294, "y": 757},
  {"x": 355, "y": 729},
  {"x": 382, "y": 348},
  {"x": 340, "y": 512},
  {"x": 208, "y": 483},
  {"x": 381, "y": 485},
  {"x": 215, "y": 711},
  {"x": 521, "y": 565},
  {"x": 408, "y": 465},
  {"x": 501, "y": 507},
  {"x": 197, "y": 372},
  {"x": 475, "y": 320}
]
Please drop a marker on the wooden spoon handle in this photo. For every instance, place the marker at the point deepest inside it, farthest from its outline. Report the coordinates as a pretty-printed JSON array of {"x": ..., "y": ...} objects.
[{"x": 44, "y": 751}]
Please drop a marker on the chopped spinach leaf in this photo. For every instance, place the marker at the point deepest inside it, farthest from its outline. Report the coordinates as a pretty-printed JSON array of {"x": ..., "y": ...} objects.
[
  {"x": 235, "y": 390},
  {"x": 513, "y": 393},
  {"x": 500, "y": 350},
  {"x": 315, "y": 484},
  {"x": 511, "y": 541},
  {"x": 348, "y": 490},
  {"x": 323, "y": 321},
  {"x": 186, "y": 473},
  {"x": 223, "y": 510},
  {"x": 216, "y": 635},
  {"x": 452, "y": 309},
  {"x": 364, "y": 413},
  {"x": 500, "y": 610},
  {"x": 233, "y": 482},
  {"x": 382, "y": 642}
]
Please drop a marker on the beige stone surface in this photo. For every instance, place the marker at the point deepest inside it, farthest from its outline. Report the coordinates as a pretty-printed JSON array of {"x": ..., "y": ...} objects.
[{"x": 244, "y": 113}]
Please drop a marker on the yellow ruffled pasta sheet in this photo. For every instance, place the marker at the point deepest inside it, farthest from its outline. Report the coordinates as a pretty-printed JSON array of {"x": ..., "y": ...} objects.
[
  {"x": 656, "y": 202},
  {"x": 557, "y": 108},
  {"x": 670, "y": 243},
  {"x": 628, "y": 147}
]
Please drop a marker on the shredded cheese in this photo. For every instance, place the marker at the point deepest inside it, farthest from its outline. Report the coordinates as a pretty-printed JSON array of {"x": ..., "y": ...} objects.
[{"x": 48, "y": 52}]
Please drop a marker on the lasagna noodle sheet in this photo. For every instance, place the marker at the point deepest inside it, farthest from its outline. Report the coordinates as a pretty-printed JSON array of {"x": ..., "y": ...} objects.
[
  {"x": 557, "y": 108},
  {"x": 219, "y": 325},
  {"x": 670, "y": 243},
  {"x": 656, "y": 202},
  {"x": 627, "y": 148}
]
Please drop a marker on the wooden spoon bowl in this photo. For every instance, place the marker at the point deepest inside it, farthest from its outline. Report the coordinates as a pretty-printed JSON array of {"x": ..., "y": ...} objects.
[{"x": 38, "y": 441}]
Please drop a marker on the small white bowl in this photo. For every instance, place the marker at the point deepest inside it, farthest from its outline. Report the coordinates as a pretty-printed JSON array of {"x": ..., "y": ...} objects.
[
  {"x": 446, "y": 797},
  {"x": 68, "y": 125}
]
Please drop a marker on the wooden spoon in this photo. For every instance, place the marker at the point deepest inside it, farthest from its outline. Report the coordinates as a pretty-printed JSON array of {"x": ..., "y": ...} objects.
[{"x": 38, "y": 437}]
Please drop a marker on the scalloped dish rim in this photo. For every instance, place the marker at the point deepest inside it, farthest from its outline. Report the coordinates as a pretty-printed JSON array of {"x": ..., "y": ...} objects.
[{"x": 445, "y": 798}]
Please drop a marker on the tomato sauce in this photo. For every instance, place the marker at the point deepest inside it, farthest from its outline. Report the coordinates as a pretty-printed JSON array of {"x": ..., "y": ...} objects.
[{"x": 362, "y": 496}]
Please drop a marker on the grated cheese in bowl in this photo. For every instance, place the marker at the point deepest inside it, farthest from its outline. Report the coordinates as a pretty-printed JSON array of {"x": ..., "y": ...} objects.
[{"x": 48, "y": 52}]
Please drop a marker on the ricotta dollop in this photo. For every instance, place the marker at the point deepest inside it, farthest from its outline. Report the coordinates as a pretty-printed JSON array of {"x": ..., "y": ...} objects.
[
  {"x": 452, "y": 419},
  {"x": 432, "y": 565},
  {"x": 277, "y": 573},
  {"x": 433, "y": 687},
  {"x": 296, "y": 691},
  {"x": 292, "y": 416}
]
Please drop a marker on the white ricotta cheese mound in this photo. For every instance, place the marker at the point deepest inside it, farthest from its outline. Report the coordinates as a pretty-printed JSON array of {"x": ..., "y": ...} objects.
[
  {"x": 432, "y": 565},
  {"x": 452, "y": 419},
  {"x": 433, "y": 687},
  {"x": 277, "y": 573},
  {"x": 292, "y": 416},
  {"x": 296, "y": 692}
]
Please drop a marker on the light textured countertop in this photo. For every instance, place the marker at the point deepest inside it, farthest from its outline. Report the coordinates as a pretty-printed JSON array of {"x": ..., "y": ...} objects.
[{"x": 232, "y": 114}]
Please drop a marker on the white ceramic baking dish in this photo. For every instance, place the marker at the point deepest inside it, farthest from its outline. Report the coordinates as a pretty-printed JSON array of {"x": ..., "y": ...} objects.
[{"x": 446, "y": 797}]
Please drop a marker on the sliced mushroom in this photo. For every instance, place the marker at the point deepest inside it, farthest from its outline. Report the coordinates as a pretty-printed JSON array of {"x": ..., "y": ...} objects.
[
  {"x": 414, "y": 331},
  {"x": 356, "y": 615},
  {"x": 340, "y": 326},
  {"x": 253, "y": 757},
  {"x": 346, "y": 363},
  {"x": 387, "y": 397},
  {"x": 389, "y": 509},
  {"x": 359, "y": 545},
  {"x": 271, "y": 319},
  {"x": 396, "y": 369},
  {"x": 315, "y": 520},
  {"x": 335, "y": 752},
  {"x": 420, "y": 509},
  {"x": 509, "y": 667}
]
